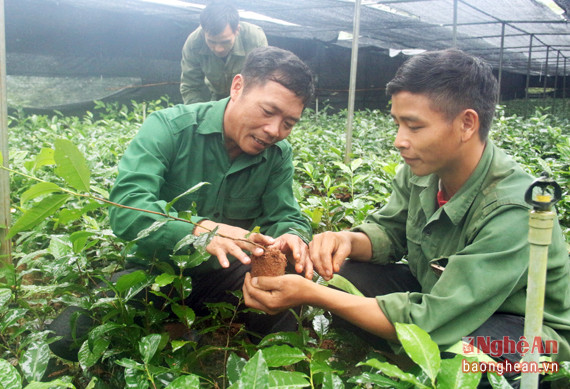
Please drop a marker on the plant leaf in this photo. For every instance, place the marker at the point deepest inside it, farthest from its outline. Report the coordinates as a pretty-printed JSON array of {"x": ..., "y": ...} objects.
[
  {"x": 421, "y": 349},
  {"x": 185, "y": 382},
  {"x": 255, "y": 373},
  {"x": 342, "y": 283},
  {"x": 71, "y": 165},
  {"x": 88, "y": 357},
  {"x": 321, "y": 325},
  {"x": 452, "y": 375},
  {"x": 37, "y": 190},
  {"x": 282, "y": 355},
  {"x": 9, "y": 377},
  {"x": 185, "y": 314},
  {"x": 378, "y": 380},
  {"x": 332, "y": 381},
  {"x": 44, "y": 158},
  {"x": 40, "y": 212},
  {"x": 279, "y": 379},
  {"x": 5, "y": 296},
  {"x": 393, "y": 371},
  {"x": 34, "y": 361},
  {"x": 234, "y": 367},
  {"x": 148, "y": 346},
  {"x": 193, "y": 189},
  {"x": 153, "y": 227}
]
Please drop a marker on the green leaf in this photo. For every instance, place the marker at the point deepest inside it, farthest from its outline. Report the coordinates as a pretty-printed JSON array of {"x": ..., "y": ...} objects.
[
  {"x": 255, "y": 373},
  {"x": 5, "y": 296},
  {"x": 321, "y": 325},
  {"x": 135, "y": 379},
  {"x": 130, "y": 280},
  {"x": 35, "y": 359},
  {"x": 11, "y": 317},
  {"x": 191, "y": 190},
  {"x": 44, "y": 158},
  {"x": 130, "y": 364},
  {"x": 9, "y": 377},
  {"x": 279, "y": 379},
  {"x": 393, "y": 371},
  {"x": 234, "y": 367},
  {"x": 185, "y": 242},
  {"x": 421, "y": 349},
  {"x": 185, "y": 382},
  {"x": 79, "y": 239},
  {"x": 149, "y": 230},
  {"x": 185, "y": 314},
  {"x": 148, "y": 346},
  {"x": 37, "y": 190},
  {"x": 282, "y": 355},
  {"x": 377, "y": 380},
  {"x": 164, "y": 279},
  {"x": 342, "y": 283},
  {"x": 332, "y": 381},
  {"x": 88, "y": 357},
  {"x": 498, "y": 381},
  {"x": 71, "y": 165},
  {"x": 58, "y": 383},
  {"x": 452, "y": 375},
  {"x": 40, "y": 212}
]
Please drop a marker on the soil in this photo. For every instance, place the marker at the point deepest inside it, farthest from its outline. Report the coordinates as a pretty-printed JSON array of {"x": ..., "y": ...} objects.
[{"x": 272, "y": 263}]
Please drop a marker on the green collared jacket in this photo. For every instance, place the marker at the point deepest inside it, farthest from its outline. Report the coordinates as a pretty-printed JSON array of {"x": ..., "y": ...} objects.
[
  {"x": 179, "y": 147},
  {"x": 481, "y": 238},
  {"x": 206, "y": 77}
]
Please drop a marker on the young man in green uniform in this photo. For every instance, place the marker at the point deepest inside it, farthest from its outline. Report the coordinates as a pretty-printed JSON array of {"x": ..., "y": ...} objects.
[
  {"x": 237, "y": 145},
  {"x": 215, "y": 52},
  {"x": 458, "y": 202}
]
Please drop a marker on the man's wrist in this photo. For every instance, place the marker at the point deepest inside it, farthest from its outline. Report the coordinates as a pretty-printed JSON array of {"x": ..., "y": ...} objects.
[{"x": 203, "y": 226}]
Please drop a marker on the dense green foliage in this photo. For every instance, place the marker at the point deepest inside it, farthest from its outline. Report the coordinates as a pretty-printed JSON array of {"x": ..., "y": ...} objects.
[{"x": 60, "y": 255}]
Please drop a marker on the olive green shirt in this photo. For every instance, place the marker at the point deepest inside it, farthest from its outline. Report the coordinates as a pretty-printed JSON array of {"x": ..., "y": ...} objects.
[
  {"x": 481, "y": 238},
  {"x": 179, "y": 147},
  {"x": 207, "y": 77}
]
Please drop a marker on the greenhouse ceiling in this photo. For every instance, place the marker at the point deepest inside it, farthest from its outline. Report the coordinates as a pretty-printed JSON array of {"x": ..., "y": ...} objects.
[
  {"x": 534, "y": 34},
  {"x": 535, "y": 28}
]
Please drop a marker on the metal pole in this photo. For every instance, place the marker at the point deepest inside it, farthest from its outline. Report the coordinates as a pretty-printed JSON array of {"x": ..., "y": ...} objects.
[
  {"x": 501, "y": 62},
  {"x": 555, "y": 83},
  {"x": 528, "y": 75},
  {"x": 455, "y": 23},
  {"x": 564, "y": 88},
  {"x": 545, "y": 73},
  {"x": 5, "y": 248},
  {"x": 352, "y": 84},
  {"x": 541, "y": 222}
]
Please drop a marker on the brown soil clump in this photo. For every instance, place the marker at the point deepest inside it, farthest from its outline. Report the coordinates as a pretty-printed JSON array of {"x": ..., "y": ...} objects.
[{"x": 272, "y": 263}]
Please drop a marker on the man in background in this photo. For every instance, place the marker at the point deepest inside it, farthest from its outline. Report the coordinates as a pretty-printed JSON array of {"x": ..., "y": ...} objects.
[{"x": 215, "y": 52}]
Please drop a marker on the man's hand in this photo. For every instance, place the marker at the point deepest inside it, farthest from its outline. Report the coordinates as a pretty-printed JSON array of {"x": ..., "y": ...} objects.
[
  {"x": 233, "y": 243},
  {"x": 297, "y": 253},
  {"x": 275, "y": 294}
]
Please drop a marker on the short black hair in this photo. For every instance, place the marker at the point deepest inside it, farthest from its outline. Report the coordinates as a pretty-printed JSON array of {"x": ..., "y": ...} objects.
[
  {"x": 274, "y": 64},
  {"x": 454, "y": 81},
  {"x": 217, "y": 15}
]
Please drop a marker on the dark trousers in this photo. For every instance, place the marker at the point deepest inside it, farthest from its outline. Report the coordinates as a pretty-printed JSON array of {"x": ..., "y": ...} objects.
[
  {"x": 376, "y": 280},
  {"x": 212, "y": 287}
]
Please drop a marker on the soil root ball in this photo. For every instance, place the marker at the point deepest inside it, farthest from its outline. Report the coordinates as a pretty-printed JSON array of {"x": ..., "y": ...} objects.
[{"x": 272, "y": 263}]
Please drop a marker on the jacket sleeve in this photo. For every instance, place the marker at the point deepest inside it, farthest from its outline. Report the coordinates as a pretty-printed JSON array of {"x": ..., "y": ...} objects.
[
  {"x": 193, "y": 86},
  {"x": 475, "y": 283},
  {"x": 141, "y": 176}
]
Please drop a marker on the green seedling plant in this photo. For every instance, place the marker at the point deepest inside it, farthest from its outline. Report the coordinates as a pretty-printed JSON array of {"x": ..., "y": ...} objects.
[{"x": 68, "y": 256}]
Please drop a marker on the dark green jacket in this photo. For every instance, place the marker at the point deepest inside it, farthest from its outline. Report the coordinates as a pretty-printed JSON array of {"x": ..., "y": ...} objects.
[
  {"x": 179, "y": 147},
  {"x": 481, "y": 237}
]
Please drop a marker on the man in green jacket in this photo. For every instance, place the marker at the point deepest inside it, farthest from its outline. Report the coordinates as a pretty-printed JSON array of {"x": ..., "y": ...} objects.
[
  {"x": 457, "y": 214},
  {"x": 237, "y": 145},
  {"x": 215, "y": 52}
]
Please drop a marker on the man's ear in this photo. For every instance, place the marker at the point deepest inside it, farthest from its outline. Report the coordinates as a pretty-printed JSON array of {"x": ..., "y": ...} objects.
[
  {"x": 469, "y": 124},
  {"x": 237, "y": 86}
]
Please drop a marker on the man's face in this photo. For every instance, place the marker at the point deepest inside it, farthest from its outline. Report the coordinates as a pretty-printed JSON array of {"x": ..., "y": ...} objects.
[
  {"x": 427, "y": 140},
  {"x": 222, "y": 44},
  {"x": 260, "y": 117}
]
